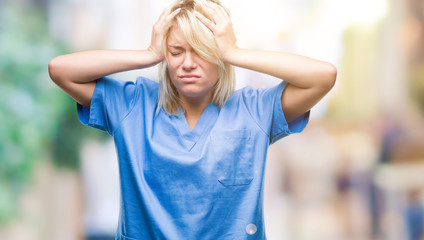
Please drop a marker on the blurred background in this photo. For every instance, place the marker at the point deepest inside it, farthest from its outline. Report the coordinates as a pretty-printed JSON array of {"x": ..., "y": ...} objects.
[{"x": 355, "y": 173}]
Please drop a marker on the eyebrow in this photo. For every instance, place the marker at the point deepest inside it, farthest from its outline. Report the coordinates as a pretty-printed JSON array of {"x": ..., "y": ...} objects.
[{"x": 176, "y": 47}]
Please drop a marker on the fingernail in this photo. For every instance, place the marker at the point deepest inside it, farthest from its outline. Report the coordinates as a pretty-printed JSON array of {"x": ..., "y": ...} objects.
[
  {"x": 178, "y": 9},
  {"x": 182, "y": 1},
  {"x": 197, "y": 13}
]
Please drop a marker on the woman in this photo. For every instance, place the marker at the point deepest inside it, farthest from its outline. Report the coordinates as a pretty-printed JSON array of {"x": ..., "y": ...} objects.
[{"x": 191, "y": 149}]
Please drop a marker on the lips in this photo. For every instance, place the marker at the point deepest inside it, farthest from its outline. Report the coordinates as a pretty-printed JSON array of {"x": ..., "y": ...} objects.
[{"x": 189, "y": 78}]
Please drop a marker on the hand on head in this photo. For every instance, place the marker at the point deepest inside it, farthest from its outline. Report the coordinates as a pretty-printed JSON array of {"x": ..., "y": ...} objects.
[
  {"x": 221, "y": 26},
  {"x": 160, "y": 27},
  {"x": 219, "y": 23}
]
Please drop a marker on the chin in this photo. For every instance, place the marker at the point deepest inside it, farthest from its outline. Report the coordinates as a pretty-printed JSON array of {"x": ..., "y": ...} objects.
[{"x": 193, "y": 93}]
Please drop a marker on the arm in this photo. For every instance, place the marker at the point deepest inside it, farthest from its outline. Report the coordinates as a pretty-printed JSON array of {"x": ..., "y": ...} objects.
[
  {"x": 76, "y": 73},
  {"x": 309, "y": 80}
]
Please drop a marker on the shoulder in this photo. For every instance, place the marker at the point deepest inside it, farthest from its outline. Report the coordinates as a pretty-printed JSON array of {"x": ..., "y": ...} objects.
[
  {"x": 245, "y": 92},
  {"x": 147, "y": 87},
  {"x": 241, "y": 100},
  {"x": 248, "y": 93},
  {"x": 142, "y": 81}
]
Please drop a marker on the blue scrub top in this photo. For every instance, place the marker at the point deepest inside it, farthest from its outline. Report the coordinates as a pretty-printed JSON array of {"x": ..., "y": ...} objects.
[{"x": 181, "y": 184}]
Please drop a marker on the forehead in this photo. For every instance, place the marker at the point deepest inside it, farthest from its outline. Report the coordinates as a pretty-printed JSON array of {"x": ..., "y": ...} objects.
[{"x": 176, "y": 37}]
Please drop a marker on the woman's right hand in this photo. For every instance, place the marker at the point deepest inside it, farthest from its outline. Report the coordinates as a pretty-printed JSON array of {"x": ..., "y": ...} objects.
[
  {"x": 159, "y": 28},
  {"x": 76, "y": 73}
]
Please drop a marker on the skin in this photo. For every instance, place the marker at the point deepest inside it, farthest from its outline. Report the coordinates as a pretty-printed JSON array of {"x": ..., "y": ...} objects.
[
  {"x": 308, "y": 79},
  {"x": 193, "y": 77},
  {"x": 76, "y": 73}
]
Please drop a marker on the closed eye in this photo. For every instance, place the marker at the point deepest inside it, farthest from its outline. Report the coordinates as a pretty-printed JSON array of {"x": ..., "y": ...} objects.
[
  {"x": 174, "y": 53},
  {"x": 175, "y": 50}
]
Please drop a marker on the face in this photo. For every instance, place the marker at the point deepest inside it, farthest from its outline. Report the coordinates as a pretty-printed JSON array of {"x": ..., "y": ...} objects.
[{"x": 193, "y": 76}]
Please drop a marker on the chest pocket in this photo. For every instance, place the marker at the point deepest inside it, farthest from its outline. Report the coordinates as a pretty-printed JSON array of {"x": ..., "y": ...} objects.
[{"x": 233, "y": 154}]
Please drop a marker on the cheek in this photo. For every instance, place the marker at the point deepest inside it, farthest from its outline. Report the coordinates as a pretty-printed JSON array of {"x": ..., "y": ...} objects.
[
  {"x": 172, "y": 69},
  {"x": 214, "y": 74},
  {"x": 173, "y": 63},
  {"x": 211, "y": 70},
  {"x": 170, "y": 74}
]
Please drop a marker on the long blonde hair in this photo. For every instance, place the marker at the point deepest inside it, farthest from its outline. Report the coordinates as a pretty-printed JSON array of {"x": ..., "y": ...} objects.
[{"x": 201, "y": 39}]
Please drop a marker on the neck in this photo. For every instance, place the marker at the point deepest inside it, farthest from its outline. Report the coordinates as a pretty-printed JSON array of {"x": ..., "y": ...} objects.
[{"x": 194, "y": 107}]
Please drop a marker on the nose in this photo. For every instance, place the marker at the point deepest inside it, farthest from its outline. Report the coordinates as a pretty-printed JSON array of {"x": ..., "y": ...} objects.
[{"x": 189, "y": 61}]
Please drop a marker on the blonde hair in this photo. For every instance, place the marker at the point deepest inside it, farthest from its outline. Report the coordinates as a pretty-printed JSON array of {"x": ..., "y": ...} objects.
[{"x": 201, "y": 39}]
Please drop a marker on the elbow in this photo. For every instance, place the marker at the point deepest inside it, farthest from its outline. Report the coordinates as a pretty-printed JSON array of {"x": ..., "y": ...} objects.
[
  {"x": 54, "y": 67},
  {"x": 329, "y": 76}
]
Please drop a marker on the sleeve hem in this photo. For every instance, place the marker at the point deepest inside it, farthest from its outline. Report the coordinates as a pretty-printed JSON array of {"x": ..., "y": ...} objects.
[
  {"x": 280, "y": 127},
  {"x": 87, "y": 116}
]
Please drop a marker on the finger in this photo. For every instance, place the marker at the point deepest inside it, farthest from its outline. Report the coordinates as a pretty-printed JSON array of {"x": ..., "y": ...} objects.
[
  {"x": 173, "y": 5},
  {"x": 219, "y": 13},
  {"x": 168, "y": 10},
  {"x": 223, "y": 12},
  {"x": 167, "y": 16},
  {"x": 210, "y": 12},
  {"x": 172, "y": 15},
  {"x": 208, "y": 23}
]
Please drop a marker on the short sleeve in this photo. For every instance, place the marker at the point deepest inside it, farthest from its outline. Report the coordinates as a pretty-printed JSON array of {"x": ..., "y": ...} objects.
[
  {"x": 111, "y": 102},
  {"x": 265, "y": 107}
]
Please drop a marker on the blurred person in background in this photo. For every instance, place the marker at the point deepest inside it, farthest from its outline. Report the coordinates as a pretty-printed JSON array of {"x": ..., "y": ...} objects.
[
  {"x": 414, "y": 215},
  {"x": 192, "y": 150}
]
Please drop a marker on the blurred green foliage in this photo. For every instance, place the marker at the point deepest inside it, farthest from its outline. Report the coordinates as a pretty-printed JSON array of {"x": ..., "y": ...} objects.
[{"x": 38, "y": 121}]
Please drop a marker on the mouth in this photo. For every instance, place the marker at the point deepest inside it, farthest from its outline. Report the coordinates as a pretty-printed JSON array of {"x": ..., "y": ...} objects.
[{"x": 189, "y": 78}]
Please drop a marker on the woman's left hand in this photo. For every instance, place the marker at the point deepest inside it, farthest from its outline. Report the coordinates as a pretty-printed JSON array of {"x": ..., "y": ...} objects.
[{"x": 222, "y": 28}]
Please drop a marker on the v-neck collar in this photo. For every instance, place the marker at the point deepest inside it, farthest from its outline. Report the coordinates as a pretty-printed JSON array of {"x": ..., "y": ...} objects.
[{"x": 204, "y": 123}]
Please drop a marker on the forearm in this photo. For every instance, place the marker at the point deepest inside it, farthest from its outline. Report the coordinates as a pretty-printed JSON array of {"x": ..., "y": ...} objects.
[
  {"x": 300, "y": 71},
  {"x": 86, "y": 66}
]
